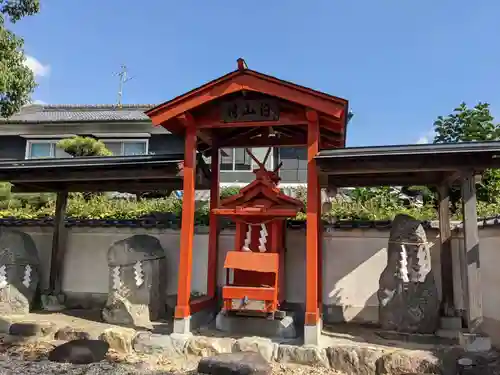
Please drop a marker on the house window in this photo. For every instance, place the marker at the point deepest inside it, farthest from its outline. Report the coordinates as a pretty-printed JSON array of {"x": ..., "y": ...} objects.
[
  {"x": 127, "y": 147},
  {"x": 237, "y": 159},
  {"x": 39, "y": 149}
]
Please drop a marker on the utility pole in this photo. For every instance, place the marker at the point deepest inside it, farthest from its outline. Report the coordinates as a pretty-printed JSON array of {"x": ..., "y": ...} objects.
[{"x": 123, "y": 79}]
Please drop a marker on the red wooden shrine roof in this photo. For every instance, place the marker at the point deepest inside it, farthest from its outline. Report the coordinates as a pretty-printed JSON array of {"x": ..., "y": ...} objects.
[
  {"x": 203, "y": 106},
  {"x": 260, "y": 198}
]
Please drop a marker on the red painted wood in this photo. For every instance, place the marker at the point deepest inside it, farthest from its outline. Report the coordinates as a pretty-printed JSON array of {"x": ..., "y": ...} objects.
[
  {"x": 313, "y": 218},
  {"x": 187, "y": 230}
]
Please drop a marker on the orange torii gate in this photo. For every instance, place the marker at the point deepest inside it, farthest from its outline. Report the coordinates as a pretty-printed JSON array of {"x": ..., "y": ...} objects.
[{"x": 246, "y": 108}]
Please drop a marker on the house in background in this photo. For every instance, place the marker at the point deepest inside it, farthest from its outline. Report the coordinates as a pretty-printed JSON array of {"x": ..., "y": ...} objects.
[{"x": 126, "y": 130}]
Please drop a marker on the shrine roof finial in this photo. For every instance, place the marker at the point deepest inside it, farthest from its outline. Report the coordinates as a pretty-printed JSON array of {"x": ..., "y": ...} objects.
[{"x": 242, "y": 65}]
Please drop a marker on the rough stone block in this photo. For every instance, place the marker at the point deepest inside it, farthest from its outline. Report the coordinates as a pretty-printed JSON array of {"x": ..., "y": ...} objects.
[
  {"x": 407, "y": 295},
  {"x": 265, "y": 347},
  {"x": 137, "y": 281},
  {"x": 171, "y": 346},
  {"x": 52, "y": 303},
  {"x": 80, "y": 352},
  {"x": 27, "y": 329},
  {"x": 451, "y": 323},
  {"x": 235, "y": 364},
  {"x": 401, "y": 362},
  {"x": 474, "y": 342},
  {"x": 70, "y": 333},
  {"x": 5, "y": 325},
  {"x": 353, "y": 360},
  {"x": 302, "y": 355},
  {"x": 119, "y": 339},
  {"x": 19, "y": 272},
  {"x": 253, "y": 326},
  {"x": 208, "y": 346}
]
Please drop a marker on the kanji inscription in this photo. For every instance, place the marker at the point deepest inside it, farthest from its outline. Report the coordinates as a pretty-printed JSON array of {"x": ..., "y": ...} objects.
[{"x": 243, "y": 110}]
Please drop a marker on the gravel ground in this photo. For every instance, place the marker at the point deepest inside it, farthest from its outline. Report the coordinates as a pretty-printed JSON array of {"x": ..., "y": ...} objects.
[{"x": 30, "y": 359}]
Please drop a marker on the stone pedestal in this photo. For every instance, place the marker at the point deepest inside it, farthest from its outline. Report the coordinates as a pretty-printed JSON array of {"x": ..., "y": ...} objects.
[
  {"x": 19, "y": 272},
  {"x": 408, "y": 297},
  {"x": 137, "y": 273},
  {"x": 256, "y": 326}
]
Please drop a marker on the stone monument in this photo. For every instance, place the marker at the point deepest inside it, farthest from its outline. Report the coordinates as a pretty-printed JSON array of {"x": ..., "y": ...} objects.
[
  {"x": 137, "y": 281},
  {"x": 408, "y": 296},
  {"x": 19, "y": 271}
]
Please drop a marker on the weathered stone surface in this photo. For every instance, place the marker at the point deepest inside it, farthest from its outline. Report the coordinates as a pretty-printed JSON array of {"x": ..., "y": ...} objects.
[
  {"x": 119, "y": 339},
  {"x": 70, "y": 333},
  {"x": 208, "y": 346},
  {"x": 401, "y": 362},
  {"x": 19, "y": 271},
  {"x": 302, "y": 355},
  {"x": 235, "y": 364},
  {"x": 5, "y": 325},
  {"x": 408, "y": 297},
  {"x": 263, "y": 346},
  {"x": 170, "y": 346},
  {"x": 137, "y": 273},
  {"x": 250, "y": 326},
  {"x": 353, "y": 360},
  {"x": 52, "y": 303},
  {"x": 79, "y": 352},
  {"x": 30, "y": 329}
]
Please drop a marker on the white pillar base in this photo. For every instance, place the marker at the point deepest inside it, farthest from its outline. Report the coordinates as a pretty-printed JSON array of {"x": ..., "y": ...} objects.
[
  {"x": 312, "y": 334},
  {"x": 183, "y": 325}
]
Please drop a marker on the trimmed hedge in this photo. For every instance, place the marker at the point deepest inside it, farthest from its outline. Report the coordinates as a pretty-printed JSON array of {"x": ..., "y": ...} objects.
[{"x": 381, "y": 205}]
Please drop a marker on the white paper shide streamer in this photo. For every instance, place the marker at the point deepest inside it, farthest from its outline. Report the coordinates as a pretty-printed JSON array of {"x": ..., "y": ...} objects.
[
  {"x": 403, "y": 264},
  {"x": 27, "y": 276},
  {"x": 248, "y": 239},
  {"x": 3, "y": 276},
  {"x": 117, "y": 283},
  {"x": 263, "y": 238},
  {"x": 138, "y": 274}
]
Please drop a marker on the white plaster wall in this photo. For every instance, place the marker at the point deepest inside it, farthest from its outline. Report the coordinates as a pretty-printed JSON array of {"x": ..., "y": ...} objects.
[{"x": 353, "y": 261}]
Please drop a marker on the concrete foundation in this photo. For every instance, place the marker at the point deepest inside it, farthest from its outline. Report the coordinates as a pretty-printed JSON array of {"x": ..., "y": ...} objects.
[
  {"x": 312, "y": 334},
  {"x": 256, "y": 326},
  {"x": 182, "y": 326}
]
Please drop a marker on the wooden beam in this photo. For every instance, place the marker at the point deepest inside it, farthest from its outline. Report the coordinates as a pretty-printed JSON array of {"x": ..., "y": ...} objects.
[
  {"x": 182, "y": 310},
  {"x": 471, "y": 264},
  {"x": 447, "y": 300},
  {"x": 230, "y": 125},
  {"x": 388, "y": 179},
  {"x": 313, "y": 220},
  {"x": 58, "y": 245},
  {"x": 296, "y": 141},
  {"x": 89, "y": 174},
  {"x": 91, "y": 186},
  {"x": 213, "y": 230}
]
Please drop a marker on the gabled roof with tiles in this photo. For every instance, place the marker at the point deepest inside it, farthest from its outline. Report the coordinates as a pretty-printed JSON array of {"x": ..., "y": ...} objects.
[{"x": 67, "y": 113}]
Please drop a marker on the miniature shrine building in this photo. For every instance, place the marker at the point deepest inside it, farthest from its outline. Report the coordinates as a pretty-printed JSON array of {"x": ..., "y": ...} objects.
[{"x": 246, "y": 109}]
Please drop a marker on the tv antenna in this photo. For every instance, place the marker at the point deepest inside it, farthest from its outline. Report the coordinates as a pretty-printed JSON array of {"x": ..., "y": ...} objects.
[{"x": 123, "y": 79}]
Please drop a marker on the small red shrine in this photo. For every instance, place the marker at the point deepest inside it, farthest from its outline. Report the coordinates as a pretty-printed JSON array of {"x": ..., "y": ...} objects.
[
  {"x": 241, "y": 109},
  {"x": 257, "y": 261}
]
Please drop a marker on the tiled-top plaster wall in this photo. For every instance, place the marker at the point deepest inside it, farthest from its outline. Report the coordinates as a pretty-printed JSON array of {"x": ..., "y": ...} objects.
[{"x": 352, "y": 262}]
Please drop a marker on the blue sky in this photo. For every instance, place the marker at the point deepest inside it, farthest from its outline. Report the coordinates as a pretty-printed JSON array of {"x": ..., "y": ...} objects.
[{"x": 399, "y": 63}]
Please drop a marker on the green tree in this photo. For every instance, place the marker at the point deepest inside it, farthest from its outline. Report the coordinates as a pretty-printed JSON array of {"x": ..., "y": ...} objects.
[
  {"x": 17, "y": 81},
  {"x": 471, "y": 125},
  {"x": 467, "y": 125},
  {"x": 83, "y": 146}
]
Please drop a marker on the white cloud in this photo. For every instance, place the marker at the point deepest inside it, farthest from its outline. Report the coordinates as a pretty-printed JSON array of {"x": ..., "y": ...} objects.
[
  {"x": 39, "y": 70},
  {"x": 38, "y": 101},
  {"x": 426, "y": 137}
]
